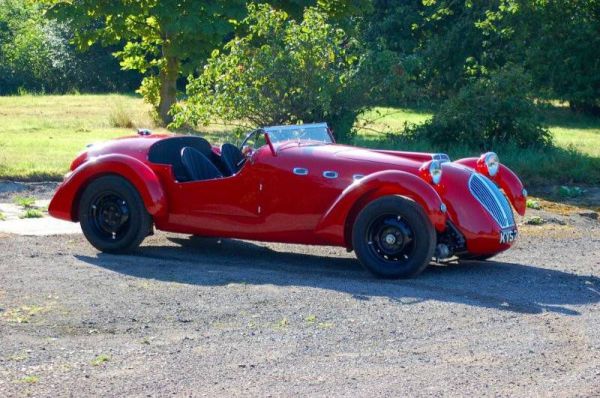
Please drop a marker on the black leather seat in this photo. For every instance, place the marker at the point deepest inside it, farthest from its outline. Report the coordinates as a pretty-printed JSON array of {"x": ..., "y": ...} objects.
[
  {"x": 232, "y": 158},
  {"x": 198, "y": 166},
  {"x": 168, "y": 151}
]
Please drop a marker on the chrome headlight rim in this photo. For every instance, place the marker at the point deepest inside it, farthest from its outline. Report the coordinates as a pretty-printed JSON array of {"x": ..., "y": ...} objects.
[
  {"x": 492, "y": 163},
  {"x": 435, "y": 171}
]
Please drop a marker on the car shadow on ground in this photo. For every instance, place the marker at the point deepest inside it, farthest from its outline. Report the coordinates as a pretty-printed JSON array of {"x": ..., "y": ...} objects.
[{"x": 518, "y": 288}]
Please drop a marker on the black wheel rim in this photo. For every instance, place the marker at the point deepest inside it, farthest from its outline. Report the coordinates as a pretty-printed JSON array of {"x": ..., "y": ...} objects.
[
  {"x": 391, "y": 239},
  {"x": 110, "y": 216}
]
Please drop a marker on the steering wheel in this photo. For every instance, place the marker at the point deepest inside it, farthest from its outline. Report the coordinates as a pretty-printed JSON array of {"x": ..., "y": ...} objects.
[{"x": 248, "y": 149}]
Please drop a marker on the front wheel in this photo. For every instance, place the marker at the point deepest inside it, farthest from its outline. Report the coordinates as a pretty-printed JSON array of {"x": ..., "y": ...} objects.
[
  {"x": 393, "y": 237},
  {"x": 112, "y": 215}
]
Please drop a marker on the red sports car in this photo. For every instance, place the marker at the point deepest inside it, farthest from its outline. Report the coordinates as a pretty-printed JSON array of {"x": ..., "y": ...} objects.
[{"x": 396, "y": 210}]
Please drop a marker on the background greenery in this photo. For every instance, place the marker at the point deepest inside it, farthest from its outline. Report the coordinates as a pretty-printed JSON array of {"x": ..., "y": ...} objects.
[{"x": 521, "y": 77}]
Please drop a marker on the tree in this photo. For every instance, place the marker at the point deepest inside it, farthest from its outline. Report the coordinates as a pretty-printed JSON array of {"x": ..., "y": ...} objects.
[
  {"x": 437, "y": 41},
  {"x": 36, "y": 56},
  {"x": 287, "y": 71},
  {"x": 165, "y": 39},
  {"x": 557, "y": 42}
]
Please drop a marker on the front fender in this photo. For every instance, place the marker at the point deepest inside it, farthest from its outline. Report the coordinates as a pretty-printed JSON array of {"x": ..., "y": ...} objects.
[
  {"x": 335, "y": 225},
  {"x": 505, "y": 179},
  {"x": 65, "y": 202}
]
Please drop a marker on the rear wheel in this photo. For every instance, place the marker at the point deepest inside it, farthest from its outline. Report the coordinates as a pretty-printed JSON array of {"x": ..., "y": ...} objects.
[
  {"x": 112, "y": 215},
  {"x": 393, "y": 238}
]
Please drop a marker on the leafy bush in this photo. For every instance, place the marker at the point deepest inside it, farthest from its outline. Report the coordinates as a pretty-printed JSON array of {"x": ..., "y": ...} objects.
[
  {"x": 284, "y": 71},
  {"x": 486, "y": 112},
  {"x": 36, "y": 56}
]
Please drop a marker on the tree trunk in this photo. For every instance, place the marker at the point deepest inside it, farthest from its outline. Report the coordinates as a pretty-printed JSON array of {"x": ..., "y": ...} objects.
[{"x": 168, "y": 88}]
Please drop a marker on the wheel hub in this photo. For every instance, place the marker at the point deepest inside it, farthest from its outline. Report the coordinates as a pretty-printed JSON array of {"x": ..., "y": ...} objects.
[
  {"x": 391, "y": 238},
  {"x": 110, "y": 213}
]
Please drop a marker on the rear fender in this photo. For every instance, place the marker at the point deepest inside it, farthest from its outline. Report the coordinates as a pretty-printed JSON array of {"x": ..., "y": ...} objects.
[
  {"x": 336, "y": 224},
  {"x": 65, "y": 202},
  {"x": 505, "y": 179}
]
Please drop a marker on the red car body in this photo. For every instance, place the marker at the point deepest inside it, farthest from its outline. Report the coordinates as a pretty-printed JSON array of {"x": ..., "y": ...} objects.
[{"x": 305, "y": 192}]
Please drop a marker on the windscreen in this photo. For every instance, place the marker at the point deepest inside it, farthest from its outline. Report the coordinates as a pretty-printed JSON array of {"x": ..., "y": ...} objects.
[{"x": 318, "y": 132}]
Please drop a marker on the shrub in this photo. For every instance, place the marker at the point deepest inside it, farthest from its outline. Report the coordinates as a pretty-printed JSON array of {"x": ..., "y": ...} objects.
[
  {"x": 284, "y": 71},
  {"x": 490, "y": 110}
]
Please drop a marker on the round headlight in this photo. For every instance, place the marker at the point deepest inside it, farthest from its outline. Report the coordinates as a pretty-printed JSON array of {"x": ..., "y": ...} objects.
[
  {"x": 435, "y": 170},
  {"x": 492, "y": 162}
]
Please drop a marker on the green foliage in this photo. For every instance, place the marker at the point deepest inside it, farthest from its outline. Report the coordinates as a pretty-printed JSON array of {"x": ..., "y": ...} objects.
[
  {"x": 570, "y": 192},
  {"x": 30, "y": 379},
  {"x": 31, "y": 213},
  {"x": 25, "y": 202},
  {"x": 36, "y": 56},
  {"x": 164, "y": 39},
  {"x": 285, "y": 71},
  {"x": 535, "y": 220},
  {"x": 556, "y": 41},
  {"x": 437, "y": 41},
  {"x": 486, "y": 112},
  {"x": 100, "y": 360},
  {"x": 533, "y": 204},
  {"x": 2, "y": 216}
]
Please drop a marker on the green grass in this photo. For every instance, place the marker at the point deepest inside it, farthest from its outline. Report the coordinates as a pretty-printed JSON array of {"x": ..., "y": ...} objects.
[
  {"x": 30, "y": 379},
  {"x": 25, "y": 202},
  {"x": 31, "y": 213},
  {"x": 40, "y": 136},
  {"x": 100, "y": 360}
]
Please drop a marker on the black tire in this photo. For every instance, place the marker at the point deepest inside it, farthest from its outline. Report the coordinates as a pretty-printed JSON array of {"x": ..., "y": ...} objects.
[
  {"x": 414, "y": 238},
  {"x": 112, "y": 215}
]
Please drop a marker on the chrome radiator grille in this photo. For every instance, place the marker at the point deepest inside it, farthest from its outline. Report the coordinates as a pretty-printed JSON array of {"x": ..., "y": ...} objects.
[{"x": 492, "y": 199}]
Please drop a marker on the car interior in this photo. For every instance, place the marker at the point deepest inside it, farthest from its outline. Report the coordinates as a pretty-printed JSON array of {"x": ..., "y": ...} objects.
[{"x": 192, "y": 158}]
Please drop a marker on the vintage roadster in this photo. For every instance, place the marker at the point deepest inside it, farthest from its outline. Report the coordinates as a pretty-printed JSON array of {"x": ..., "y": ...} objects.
[{"x": 397, "y": 210}]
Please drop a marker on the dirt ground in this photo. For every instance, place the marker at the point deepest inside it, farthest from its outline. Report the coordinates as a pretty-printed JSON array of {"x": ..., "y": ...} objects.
[{"x": 202, "y": 317}]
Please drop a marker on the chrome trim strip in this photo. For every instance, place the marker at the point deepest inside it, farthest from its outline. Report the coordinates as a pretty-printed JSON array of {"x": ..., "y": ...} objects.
[
  {"x": 330, "y": 174},
  {"x": 301, "y": 171}
]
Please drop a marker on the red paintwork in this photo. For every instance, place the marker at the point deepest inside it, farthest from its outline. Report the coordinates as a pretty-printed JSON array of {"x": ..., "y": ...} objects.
[
  {"x": 505, "y": 179},
  {"x": 137, "y": 172},
  {"x": 266, "y": 201}
]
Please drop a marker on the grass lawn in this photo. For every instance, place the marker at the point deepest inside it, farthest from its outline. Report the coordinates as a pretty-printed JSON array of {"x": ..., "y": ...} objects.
[{"x": 40, "y": 135}]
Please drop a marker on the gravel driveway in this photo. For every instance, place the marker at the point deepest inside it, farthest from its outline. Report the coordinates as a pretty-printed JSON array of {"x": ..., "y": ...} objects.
[{"x": 202, "y": 317}]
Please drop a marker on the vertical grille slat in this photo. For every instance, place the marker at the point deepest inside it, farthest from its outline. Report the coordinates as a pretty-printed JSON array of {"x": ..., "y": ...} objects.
[{"x": 492, "y": 199}]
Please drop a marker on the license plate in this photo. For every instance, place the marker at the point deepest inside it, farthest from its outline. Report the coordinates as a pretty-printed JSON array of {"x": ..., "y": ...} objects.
[{"x": 508, "y": 235}]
